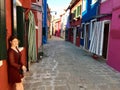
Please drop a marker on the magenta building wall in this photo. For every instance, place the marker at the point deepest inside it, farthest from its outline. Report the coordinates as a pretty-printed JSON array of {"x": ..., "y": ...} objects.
[
  {"x": 114, "y": 40},
  {"x": 106, "y": 7},
  {"x": 39, "y": 16},
  {"x": 113, "y": 7}
]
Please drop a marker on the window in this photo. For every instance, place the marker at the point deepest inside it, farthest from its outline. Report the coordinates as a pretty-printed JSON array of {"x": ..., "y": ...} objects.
[
  {"x": 75, "y": 13},
  {"x": 78, "y": 11},
  {"x": 84, "y": 5},
  {"x": 93, "y": 2}
]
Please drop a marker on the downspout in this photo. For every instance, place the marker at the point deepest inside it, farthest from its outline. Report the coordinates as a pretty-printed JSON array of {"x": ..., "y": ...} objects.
[{"x": 98, "y": 8}]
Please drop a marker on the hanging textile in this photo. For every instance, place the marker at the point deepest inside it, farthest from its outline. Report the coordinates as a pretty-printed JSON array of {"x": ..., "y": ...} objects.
[
  {"x": 96, "y": 45},
  {"x": 32, "y": 54}
]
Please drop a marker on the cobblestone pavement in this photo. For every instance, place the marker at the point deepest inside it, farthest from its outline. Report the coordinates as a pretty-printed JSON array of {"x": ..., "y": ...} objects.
[{"x": 67, "y": 67}]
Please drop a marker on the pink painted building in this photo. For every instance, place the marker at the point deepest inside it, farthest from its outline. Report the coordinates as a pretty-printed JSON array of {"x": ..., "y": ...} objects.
[
  {"x": 39, "y": 26},
  {"x": 110, "y": 9},
  {"x": 57, "y": 27}
]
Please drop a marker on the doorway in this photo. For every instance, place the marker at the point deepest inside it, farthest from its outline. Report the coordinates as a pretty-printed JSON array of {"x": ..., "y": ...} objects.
[
  {"x": 105, "y": 39},
  {"x": 74, "y": 35},
  {"x": 86, "y": 40}
]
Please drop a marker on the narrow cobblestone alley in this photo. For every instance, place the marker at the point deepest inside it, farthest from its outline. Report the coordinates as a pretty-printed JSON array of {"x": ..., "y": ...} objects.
[{"x": 67, "y": 67}]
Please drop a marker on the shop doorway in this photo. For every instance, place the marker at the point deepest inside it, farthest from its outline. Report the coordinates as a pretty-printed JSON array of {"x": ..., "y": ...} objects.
[
  {"x": 74, "y": 35},
  {"x": 86, "y": 37},
  {"x": 105, "y": 40}
]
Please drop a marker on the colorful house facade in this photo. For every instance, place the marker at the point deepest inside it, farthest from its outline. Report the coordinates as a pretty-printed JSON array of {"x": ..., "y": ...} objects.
[
  {"x": 14, "y": 20},
  {"x": 114, "y": 38},
  {"x": 3, "y": 46},
  {"x": 104, "y": 24},
  {"x": 57, "y": 27},
  {"x": 102, "y": 21},
  {"x": 8, "y": 30},
  {"x": 89, "y": 11},
  {"x": 65, "y": 24},
  {"x": 75, "y": 21}
]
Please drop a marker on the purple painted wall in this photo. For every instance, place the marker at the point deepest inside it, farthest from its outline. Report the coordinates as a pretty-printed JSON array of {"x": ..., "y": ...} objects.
[
  {"x": 113, "y": 7},
  {"x": 39, "y": 16},
  {"x": 106, "y": 7},
  {"x": 114, "y": 40}
]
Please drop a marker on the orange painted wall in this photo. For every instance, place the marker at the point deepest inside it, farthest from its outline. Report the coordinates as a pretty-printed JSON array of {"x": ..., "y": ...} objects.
[
  {"x": 26, "y": 3},
  {"x": 3, "y": 77},
  {"x": 3, "y": 69}
]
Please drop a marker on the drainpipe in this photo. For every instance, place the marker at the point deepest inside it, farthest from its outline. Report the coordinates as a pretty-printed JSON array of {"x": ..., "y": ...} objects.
[{"x": 98, "y": 8}]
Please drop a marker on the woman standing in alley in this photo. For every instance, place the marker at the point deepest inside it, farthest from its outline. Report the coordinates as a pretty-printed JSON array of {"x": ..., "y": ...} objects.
[{"x": 15, "y": 65}]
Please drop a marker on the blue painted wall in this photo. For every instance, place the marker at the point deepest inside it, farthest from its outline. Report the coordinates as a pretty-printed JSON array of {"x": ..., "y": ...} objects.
[
  {"x": 90, "y": 12},
  {"x": 44, "y": 23}
]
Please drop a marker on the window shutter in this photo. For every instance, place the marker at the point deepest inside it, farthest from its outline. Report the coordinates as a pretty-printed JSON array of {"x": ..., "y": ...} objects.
[
  {"x": 78, "y": 11},
  {"x": 75, "y": 13},
  {"x": 3, "y": 49}
]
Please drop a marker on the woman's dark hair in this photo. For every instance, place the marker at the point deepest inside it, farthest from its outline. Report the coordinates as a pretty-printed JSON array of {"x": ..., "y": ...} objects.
[{"x": 12, "y": 37}]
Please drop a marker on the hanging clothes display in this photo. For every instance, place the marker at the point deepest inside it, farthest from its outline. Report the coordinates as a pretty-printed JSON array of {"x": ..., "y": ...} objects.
[
  {"x": 32, "y": 54},
  {"x": 96, "y": 45}
]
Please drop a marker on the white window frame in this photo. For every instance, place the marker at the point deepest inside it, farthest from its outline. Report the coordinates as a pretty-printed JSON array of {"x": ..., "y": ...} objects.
[
  {"x": 93, "y": 2},
  {"x": 84, "y": 5}
]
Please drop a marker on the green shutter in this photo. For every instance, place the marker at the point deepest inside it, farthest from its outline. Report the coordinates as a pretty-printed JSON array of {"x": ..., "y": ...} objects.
[
  {"x": 75, "y": 13},
  {"x": 20, "y": 25},
  {"x": 3, "y": 50},
  {"x": 78, "y": 11}
]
